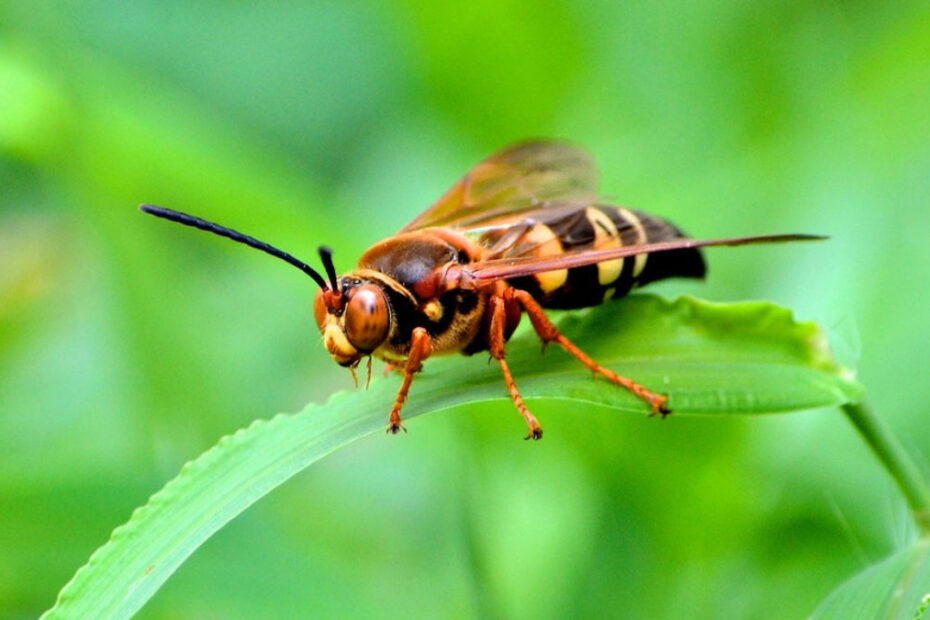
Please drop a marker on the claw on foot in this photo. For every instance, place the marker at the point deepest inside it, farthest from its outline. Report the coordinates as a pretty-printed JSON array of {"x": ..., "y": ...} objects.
[
  {"x": 395, "y": 427},
  {"x": 535, "y": 434},
  {"x": 659, "y": 406}
]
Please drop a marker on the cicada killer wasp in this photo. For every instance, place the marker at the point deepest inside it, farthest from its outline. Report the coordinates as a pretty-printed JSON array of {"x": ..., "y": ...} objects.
[{"x": 522, "y": 232}]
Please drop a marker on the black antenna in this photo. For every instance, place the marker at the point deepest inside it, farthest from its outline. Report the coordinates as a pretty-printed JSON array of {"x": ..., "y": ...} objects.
[
  {"x": 229, "y": 233},
  {"x": 326, "y": 255}
]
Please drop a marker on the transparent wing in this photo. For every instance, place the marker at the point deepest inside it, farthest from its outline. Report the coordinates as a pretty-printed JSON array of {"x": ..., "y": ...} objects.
[{"x": 519, "y": 178}]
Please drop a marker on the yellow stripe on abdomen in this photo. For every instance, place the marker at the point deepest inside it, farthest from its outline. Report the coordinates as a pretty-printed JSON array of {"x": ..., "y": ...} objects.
[
  {"x": 640, "y": 259},
  {"x": 606, "y": 237},
  {"x": 546, "y": 243}
]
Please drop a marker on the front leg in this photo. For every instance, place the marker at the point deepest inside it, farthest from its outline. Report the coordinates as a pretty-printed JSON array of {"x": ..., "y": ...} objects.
[{"x": 420, "y": 349}]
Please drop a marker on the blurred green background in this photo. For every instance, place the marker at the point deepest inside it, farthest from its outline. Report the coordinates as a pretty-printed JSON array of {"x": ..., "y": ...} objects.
[{"x": 129, "y": 346}]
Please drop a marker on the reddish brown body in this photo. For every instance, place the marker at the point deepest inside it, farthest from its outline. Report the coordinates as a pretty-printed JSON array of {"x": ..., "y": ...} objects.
[
  {"x": 432, "y": 304},
  {"x": 521, "y": 232}
]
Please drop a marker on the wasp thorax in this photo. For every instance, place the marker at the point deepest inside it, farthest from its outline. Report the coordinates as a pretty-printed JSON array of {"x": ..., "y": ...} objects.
[{"x": 367, "y": 317}]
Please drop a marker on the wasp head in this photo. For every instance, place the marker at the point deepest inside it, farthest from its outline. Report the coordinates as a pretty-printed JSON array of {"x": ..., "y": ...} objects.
[{"x": 355, "y": 319}]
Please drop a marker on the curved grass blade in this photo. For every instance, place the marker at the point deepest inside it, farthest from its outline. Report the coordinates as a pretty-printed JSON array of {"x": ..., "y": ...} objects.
[
  {"x": 743, "y": 358},
  {"x": 894, "y": 589}
]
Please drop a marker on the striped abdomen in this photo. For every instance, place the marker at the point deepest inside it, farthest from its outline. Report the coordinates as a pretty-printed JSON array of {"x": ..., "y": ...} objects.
[{"x": 554, "y": 230}]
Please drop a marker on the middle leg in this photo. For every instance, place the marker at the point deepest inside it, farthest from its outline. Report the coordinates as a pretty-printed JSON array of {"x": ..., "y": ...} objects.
[{"x": 496, "y": 346}]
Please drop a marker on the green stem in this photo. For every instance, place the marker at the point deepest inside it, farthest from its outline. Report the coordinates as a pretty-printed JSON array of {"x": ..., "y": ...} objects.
[{"x": 896, "y": 460}]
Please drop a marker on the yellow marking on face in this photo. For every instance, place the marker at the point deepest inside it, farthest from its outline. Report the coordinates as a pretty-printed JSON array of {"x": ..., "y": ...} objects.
[
  {"x": 335, "y": 341},
  {"x": 545, "y": 243},
  {"x": 609, "y": 294},
  {"x": 606, "y": 237},
  {"x": 433, "y": 310},
  {"x": 640, "y": 259}
]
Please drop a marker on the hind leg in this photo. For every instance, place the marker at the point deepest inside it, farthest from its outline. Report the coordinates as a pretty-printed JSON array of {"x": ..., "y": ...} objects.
[{"x": 548, "y": 332}]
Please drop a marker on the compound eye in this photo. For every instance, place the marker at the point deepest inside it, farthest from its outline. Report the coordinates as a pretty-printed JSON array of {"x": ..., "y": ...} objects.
[
  {"x": 319, "y": 310},
  {"x": 368, "y": 319}
]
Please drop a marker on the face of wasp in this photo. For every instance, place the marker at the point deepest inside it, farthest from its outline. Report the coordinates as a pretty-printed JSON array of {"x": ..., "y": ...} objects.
[{"x": 355, "y": 326}]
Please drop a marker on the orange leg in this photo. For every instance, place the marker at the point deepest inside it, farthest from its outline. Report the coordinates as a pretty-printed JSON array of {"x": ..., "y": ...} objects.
[
  {"x": 496, "y": 345},
  {"x": 549, "y": 333},
  {"x": 420, "y": 349}
]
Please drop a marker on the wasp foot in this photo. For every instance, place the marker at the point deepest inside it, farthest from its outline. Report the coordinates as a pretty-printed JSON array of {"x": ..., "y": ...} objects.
[
  {"x": 535, "y": 434},
  {"x": 659, "y": 406},
  {"x": 395, "y": 427}
]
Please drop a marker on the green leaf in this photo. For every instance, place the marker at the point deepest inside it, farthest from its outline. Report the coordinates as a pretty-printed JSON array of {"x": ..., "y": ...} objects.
[
  {"x": 744, "y": 358},
  {"x": 895, "y": 588}
]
